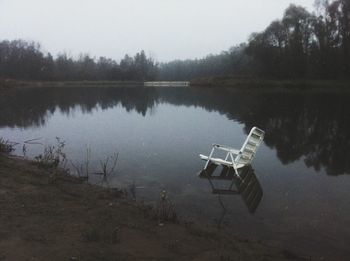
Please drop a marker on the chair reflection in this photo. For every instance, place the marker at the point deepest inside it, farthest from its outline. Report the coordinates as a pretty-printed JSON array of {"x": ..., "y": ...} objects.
[{"x": 246, "y": 184}]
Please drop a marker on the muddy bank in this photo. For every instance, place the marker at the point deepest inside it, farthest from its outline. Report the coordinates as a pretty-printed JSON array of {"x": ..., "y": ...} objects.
[{"x": 49, "y": 215}]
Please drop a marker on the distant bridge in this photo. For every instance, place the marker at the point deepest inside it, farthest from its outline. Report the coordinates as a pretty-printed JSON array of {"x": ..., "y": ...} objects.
[{"x": 166, "y": 84}]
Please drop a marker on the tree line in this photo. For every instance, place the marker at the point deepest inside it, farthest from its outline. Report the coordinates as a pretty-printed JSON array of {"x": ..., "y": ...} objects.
[
  {"x": 233, "y": 61},
  {"x": 26, "y": 61},
  {"x": 304, "y": 44},
  {"x": 300, "y": 45}
]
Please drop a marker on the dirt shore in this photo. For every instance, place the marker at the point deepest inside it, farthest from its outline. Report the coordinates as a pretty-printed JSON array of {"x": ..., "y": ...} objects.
[{"x": 49, "y": 215}]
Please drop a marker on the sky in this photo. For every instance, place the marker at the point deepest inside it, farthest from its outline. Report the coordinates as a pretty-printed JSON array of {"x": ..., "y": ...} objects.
[{"x": 165, "y": 29}]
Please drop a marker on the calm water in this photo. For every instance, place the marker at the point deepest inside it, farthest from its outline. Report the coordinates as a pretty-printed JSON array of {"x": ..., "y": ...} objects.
[{"x": 302, "y": 168}]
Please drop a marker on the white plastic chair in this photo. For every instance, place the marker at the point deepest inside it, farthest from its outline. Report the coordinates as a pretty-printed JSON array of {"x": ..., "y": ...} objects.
[{"x": 237, "y": 158}]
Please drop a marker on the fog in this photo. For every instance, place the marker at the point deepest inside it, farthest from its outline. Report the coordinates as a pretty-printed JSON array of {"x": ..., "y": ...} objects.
[{"x": 165, "y": 29}]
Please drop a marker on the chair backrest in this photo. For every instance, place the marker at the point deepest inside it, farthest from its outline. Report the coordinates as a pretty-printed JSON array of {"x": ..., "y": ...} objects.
[{"x": 250, "y": 146}]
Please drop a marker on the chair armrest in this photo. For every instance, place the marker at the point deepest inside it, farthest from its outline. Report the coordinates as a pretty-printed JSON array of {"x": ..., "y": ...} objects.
[{"x": 226, "y": 148}]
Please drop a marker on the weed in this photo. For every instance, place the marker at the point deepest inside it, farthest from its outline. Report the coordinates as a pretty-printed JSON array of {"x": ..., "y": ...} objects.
[
  {"x": 106, "y": 169},
  {"x": 165, "y": 211},
  {"x": 24, "y": 150},
  {"x": 108, "y": 166},
  {"x": 6, "y": 146},
  {"x": 115, "y": 235},
  {"x": 132, "y": 189},
  {"x": 53, "y": 156},
  {"x": 29, "y": 142},
  {"x": 82, "y": 170}
]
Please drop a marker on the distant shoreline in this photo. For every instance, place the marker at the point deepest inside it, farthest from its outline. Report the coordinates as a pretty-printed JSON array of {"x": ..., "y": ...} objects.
[
  {"x": 24, "y": 83},
  {"x": 20, "y": 84},
  {"x": 257, "y": 84},
  {"x": 230, "y": 83}
]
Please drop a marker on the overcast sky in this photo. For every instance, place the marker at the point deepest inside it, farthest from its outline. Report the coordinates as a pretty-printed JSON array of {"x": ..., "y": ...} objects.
[{"x": 167, "y": 29}]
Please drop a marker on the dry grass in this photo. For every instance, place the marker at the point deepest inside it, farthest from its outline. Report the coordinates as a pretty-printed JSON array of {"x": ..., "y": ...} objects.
[{"x": 6, "y": 146}]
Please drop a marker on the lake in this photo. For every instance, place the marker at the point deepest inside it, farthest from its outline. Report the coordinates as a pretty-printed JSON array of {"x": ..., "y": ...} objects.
[{"x": 302, "y": 169}]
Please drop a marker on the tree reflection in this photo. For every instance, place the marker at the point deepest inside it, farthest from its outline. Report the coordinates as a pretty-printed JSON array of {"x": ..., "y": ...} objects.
[{"x": 32, "y": 107}]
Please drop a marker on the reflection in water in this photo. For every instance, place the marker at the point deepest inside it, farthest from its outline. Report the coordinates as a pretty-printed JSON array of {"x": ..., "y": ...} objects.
[
  {"x": 246, "y": 185},
  {"x": 32, "y": 107},
  {"x": 298, "y": 126}
]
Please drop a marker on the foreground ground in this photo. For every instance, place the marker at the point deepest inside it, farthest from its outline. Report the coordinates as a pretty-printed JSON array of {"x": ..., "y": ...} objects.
[{"x": 48, "y": 215}]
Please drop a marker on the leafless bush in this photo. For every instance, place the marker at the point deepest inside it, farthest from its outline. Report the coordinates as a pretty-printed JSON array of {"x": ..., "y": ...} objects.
[
  {"x": 53, "y": 156},
  {"x": 6, "y": 146}
]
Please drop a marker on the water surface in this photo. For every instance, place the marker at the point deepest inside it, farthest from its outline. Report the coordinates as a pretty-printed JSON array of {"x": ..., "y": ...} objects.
[{"x": 302, "y": 168}]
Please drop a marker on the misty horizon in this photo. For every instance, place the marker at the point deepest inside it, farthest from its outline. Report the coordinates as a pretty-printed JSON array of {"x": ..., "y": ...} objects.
[{"x": 166, "y": 31}]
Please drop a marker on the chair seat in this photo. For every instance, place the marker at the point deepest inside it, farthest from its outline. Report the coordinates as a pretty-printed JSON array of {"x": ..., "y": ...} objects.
[{"x": 219, "y": 161}]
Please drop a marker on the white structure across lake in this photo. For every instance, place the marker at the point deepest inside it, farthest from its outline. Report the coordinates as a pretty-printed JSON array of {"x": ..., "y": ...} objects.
[{"x": 167, "y": 84}]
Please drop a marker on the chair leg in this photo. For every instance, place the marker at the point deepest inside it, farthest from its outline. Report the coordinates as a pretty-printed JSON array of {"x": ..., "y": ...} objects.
[
  {"x": 210, "y": 155},
  {"x": 236, "y": 171},
  {"x": 206, "y": 164},
  {"x": 227, "y": 155}
]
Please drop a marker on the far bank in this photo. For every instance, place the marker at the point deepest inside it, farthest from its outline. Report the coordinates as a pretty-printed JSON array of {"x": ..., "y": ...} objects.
[{"x": 262, "y": 84}]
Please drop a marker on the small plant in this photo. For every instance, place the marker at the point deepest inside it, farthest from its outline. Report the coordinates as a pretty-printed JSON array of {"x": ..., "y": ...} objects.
[
  {"x": 6, "y": 146},
  {"x": 108, "y": 166},
  {"x": 165, "y": 211},
  {"x": 24, "y": 150},
  {"x": 82, "y": 170},
  {"x": 132, "y": 189},
  {"x": 29, "y": 142},
  {"x": 106, "y": 169},
  {"x": 53, "y": 156},
  {"x": 115, "y": 236}
]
